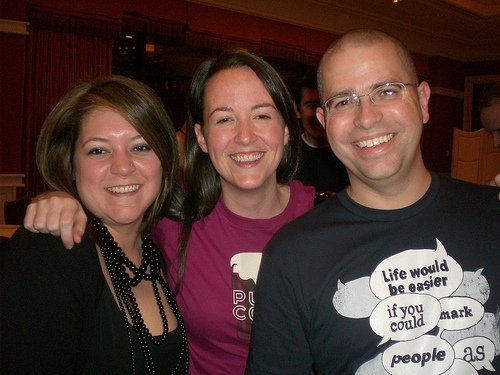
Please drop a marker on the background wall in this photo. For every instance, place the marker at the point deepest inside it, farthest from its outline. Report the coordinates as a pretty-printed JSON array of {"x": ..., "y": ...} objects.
[
  {"x": 183, "y": 33},
  {"x": 12, "y": 63}
]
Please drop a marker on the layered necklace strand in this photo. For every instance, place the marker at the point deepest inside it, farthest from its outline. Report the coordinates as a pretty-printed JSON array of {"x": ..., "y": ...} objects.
[{"x": 117, "y": 264}]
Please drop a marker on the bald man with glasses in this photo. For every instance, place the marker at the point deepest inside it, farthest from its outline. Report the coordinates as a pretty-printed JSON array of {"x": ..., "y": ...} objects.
[{"x": 398, "y": 273}]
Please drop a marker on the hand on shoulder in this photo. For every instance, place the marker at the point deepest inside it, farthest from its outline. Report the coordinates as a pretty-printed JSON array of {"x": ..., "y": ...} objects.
[{"x": 59, "y": 214}]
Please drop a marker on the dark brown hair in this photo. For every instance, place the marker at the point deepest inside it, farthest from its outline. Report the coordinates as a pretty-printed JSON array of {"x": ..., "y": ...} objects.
[
  {"x": 492, "y": 92},
  {"x": 133, "y": 100}
]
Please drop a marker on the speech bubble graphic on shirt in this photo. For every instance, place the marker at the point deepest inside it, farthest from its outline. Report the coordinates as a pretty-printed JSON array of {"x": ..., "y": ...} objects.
[
  {"x": 246, "y": 265},
  {"x": 355, "y": 299},
  {"x": 425, "y": 271},
  {"x": 405, "y": 317},
  {"x": 461, "y": 367},
  {"x": 474, "y": 285},
  {"x": 459, "y": 313},
  {"x": 425, "y": 355},
  {"x": 478, "y": 351},
  {"x": 486, "y": 327}
]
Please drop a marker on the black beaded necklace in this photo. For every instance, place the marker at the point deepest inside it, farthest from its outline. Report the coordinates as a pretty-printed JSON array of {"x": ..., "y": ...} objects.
[{"x": 117, "y": 264}]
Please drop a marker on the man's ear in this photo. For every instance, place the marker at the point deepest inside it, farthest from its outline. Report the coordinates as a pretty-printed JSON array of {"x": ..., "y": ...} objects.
[
  {"x": 320, "y": 115},
  {"x": 200, "y": 138},
  {"x": 424, "y": 93}
]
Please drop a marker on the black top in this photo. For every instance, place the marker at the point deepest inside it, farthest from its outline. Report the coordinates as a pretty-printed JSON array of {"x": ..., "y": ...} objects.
[
  {"x": 58, "y": 316},
  {"x": 346, "y": 289},
  {"x": 319, "y": 167}
]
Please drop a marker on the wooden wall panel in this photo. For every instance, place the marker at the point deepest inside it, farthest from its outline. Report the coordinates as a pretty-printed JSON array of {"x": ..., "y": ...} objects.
[{"x": 474, "y": 159}]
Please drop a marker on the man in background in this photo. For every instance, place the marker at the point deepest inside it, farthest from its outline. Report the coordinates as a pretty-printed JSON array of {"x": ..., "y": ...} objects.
[
  {"x": 319, "y": 167},
  {"x": 489, "y": 112}
]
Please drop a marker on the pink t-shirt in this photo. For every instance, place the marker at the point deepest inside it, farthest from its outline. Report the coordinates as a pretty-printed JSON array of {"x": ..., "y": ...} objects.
[{"x": 216, "y": 299}]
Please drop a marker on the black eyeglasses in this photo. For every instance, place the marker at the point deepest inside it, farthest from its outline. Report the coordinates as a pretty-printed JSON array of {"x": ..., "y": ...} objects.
[{"x": 383, "y": 94}]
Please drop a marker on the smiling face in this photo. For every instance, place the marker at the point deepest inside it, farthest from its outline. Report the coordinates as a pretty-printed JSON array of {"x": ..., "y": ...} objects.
[
  {"x": 117, "y": 175},
  {"x": 243, "y": 133},
  {"x": 378, "y": 143}
]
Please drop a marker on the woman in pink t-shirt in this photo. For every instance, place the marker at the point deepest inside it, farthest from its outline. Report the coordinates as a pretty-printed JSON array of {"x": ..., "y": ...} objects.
[{"x": 243, "y": 147}]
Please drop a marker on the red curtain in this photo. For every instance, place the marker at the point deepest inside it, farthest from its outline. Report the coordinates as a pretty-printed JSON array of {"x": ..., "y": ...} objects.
[
  {"x": 216, "y": 28},
  {"x": 56, "y": 61}
]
